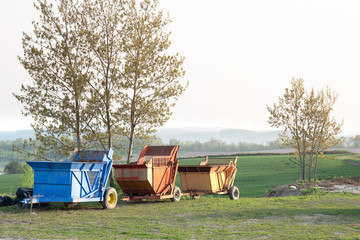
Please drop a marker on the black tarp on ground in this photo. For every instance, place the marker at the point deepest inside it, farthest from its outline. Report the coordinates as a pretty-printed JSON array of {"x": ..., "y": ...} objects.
[{"x": 21, "y": 193}]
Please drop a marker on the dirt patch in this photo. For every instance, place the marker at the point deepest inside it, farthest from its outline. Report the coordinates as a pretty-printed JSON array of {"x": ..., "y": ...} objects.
[
  {"x": 284, "y": 191},
  {"x": 342, "y": 184},
  {"x": 353, "y": 181}
]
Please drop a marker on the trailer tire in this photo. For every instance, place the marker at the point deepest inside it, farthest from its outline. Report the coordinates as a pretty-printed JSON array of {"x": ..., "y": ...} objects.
[
  {"x": 176, "y": 194},
  {"x": 110, "y": 198},
  {"x": 234, "y": 193}
]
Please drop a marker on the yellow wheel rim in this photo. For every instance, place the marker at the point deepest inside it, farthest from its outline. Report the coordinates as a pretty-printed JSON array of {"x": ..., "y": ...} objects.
[{"x": 111, "y": 199}]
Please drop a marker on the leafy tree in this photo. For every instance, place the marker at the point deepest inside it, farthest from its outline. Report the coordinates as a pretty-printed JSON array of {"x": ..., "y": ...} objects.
[
  {"x": 151, "y": 75},
  {"x": 58, "y": 60},
  {"x": 308, "y": 127},
  {"x": 101, "y": 72},
  {"x": 289, "y": 115},
  {"x": 321, "y": 128},
  {"x": 104, "y": 25},
  {"x": 13, "y": 167}
]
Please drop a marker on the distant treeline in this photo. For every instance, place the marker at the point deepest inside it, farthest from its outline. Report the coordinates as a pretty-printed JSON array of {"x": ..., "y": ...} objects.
[
  {"x": 351, "y": 142},
  {"x": 6, "y": 151},
  {"x": 213, "y": 145},
  {"x": 7, "y": 154}
]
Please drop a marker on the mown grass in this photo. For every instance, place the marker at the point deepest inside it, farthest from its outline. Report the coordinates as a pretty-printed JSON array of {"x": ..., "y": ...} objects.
[
  {"x": 258, "y": 174},
  {"x": 319, "y": 216},
  {"x": 9, "y": 183},
  {"x": 255, "y": 175},
  {"x": 331, "y": 216}
]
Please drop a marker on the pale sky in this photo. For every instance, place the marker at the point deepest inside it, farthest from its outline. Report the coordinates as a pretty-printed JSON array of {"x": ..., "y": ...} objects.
[{"x": 239, "y": 57}]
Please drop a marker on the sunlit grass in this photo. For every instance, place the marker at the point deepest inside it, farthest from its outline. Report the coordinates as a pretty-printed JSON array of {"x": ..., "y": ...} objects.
[{"x": 316, "y": 217}]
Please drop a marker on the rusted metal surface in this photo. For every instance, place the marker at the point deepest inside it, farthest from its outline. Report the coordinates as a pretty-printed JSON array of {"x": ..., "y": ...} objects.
[{"x": 152, "y": 176}]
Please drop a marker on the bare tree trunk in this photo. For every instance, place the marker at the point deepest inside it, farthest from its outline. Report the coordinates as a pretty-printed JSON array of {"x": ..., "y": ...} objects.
[
  {"x": 111, "y": 177},
  {"x": 131, "y": 143},
  {"x": 132, "y": 119},
  {"x": 77, "y": 116},
  {"x": 301, "y": 167},
  {"x": 108, "y": 125},
  {"x": 310, "y": 166},
  {"x": 304, "y": 166},
  {"x": 315, "y": 167}
]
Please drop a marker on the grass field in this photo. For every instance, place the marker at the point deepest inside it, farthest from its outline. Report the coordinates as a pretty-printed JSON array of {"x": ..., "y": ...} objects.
[
  {"x": 9, "y": 183},
  {"x": 319, "y": 216},
  {"x": 257, "y": 174},
  {"x": 333, "y": 216}
]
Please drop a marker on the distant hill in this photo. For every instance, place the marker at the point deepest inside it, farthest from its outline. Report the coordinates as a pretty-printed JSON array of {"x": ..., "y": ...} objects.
[
  {"x": 12, "y": 135},
  {"x": 226, "y": 135},
  {"x": 184, "y": 134}
]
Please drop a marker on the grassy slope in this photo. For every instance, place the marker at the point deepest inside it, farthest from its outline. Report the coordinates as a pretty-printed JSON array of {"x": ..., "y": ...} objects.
[
  {"x": 308, "y": 217},
  {"x": 257, "y": 174},
  {"x": 331, "y": 216},
  {"x": 9, "y": 184}
]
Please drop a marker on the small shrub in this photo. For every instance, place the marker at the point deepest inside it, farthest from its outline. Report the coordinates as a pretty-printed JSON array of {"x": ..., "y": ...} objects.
[
  {"x": 13, "y": 167},
  {"x": 314, "y": 191},
  {"x": 27, "y": 177}
]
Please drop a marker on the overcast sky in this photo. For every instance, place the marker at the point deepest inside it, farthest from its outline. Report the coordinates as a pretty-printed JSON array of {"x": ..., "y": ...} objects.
[{"x": 239, "y": 57}]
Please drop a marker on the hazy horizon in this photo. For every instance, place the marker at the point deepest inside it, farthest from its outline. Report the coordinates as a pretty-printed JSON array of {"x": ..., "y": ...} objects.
[{"x": 239, "y": 57}]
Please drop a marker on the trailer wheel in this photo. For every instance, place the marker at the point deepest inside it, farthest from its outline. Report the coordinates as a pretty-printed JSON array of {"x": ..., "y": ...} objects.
[
  {"x": 234, "y": 193},
  {"x": 176, "y": 194},
  {"x": 110, "y": 198}
]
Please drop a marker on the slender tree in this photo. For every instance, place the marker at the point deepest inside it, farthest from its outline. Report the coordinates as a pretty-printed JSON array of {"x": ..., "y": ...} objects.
[
  {"x": 151, "y": 75},
  {"x": 289, "y": 115},
  {"x": 57, "y": 58},
  {"x": 323, "y": 130},
  {"x": 104, "y": 33},
  {"x": 101, "y": 72},
  {"x": 308, "y": 127}
]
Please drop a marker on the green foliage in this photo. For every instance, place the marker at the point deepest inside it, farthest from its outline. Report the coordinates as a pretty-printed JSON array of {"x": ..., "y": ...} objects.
[
  {"x": 151, "y": 75},
  {"x": 308, "y": 126},
  {"x": 14, "y": 167},
  {"x": 27, "y": 177},
  {"x": 101, "y": 71}
]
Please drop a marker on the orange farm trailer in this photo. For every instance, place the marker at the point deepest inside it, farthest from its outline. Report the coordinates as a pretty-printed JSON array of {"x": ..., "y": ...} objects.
[
  {"x": 152, "y": 176},
  {"x": 212, "y": 176}
]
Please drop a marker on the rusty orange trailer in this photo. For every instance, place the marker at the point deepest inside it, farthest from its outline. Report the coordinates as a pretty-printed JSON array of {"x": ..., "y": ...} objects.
[
  {"x": 212, "y": 176},
  {"x": 152, "y": 176}
]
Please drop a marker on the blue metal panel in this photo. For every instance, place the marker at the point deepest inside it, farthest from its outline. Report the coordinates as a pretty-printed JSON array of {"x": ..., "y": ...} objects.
[{"x": 69, "y": 181}]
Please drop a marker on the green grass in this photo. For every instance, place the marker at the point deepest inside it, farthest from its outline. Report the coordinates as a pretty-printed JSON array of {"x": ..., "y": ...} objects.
[
  {"x": 258, "y": 174},
  {"x": 255, "y": 175},
  {"x": 332, "y": 216},
  {"x": 319, "y": 216},
  {"x": 9, "y": 183}
]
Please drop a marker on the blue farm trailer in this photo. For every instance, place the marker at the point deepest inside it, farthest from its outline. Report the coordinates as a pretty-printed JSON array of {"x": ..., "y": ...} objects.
[{"x": 82, "y": 178}]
